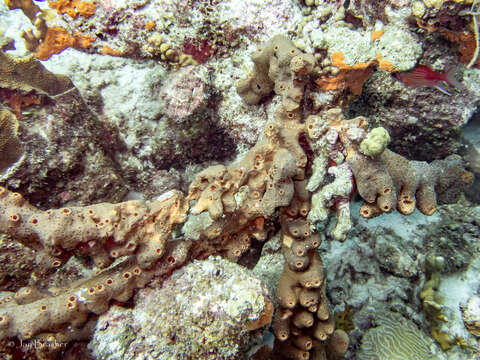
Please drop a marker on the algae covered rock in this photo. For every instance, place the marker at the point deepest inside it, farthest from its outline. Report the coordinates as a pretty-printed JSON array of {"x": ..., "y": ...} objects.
[{"x": 210, "y": 309}]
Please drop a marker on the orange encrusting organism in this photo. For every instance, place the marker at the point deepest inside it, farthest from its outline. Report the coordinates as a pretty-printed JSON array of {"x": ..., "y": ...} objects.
[
  {"x": 385, "y": 64},
  {"x": 82, "y": 41},
  {"x": 73, "y": 8},
  {"x": 466, "y": 44},
  {"x": 18, "y": 101},
  {"x": 150, "y": 25},
  {"x": 107, "y": 50},
  {"x": 352, "y": 76},
  {"x": 377, "y": 34},
  {"x": 465, "y": 40},
  {"x": 58, "y": 39}
]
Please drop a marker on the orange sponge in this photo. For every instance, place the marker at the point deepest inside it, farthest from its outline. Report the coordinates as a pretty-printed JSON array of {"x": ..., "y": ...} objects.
[
  {"x": 58, "y": 39},
  {"x": 352, "y": 76},
  {"x": 73, "y": 7}
]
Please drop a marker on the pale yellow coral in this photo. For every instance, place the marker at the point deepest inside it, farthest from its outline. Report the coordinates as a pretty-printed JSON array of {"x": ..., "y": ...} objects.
[
  {"x": 418, "y": 8},
  {"x": 375, "y": 142}
]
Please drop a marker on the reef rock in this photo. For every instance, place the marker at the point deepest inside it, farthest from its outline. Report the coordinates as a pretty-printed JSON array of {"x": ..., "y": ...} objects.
[{"x": 210, "y": 309}]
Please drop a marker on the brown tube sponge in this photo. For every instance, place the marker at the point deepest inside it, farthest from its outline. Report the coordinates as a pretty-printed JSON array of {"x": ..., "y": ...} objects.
[
  {"x": 281, "y": 324},
  {"x": 424, "y": 184},
  {"x": 286, "y": 295},
  {"x": 308, "y": 297},
  {"x": 338, "y": 344},
  {"x": 323, "y": 329},
  {"x": 374, "y": 183},
  {"x": 313, "y": 277},
  {"x": 289, "y": 351},
  {"x": 303, "y": 342},
  {"x": 391, "y": 180},
  {"x": 303, "y": 319}
]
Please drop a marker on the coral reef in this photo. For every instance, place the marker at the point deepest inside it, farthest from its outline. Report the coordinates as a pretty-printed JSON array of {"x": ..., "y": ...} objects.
[
  {"x": 380, "y": 265},
  {"x": 89, "y": 232},
  {"x": 29, "y": 74},
  {"x": 215, "y": 188},
  {"x": 395, "y": 338},
  {"x": 218, "y": 308},
  {"x": 103, "y": 231},
  {"x": 153, "y": 109},
  {"x": 415, "y": 116},
  {"x": 236, "y": 202}
]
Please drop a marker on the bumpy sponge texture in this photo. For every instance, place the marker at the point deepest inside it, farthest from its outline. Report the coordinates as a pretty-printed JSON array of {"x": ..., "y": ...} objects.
[
  {"x": 275, "y": 64},
  {"x": 103, "y": 231}
]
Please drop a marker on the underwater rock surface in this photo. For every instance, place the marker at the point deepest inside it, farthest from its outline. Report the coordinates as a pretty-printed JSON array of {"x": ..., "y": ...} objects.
[
  {"x": 385, "y": 265},
  {"x": 210, "y": 309}
]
